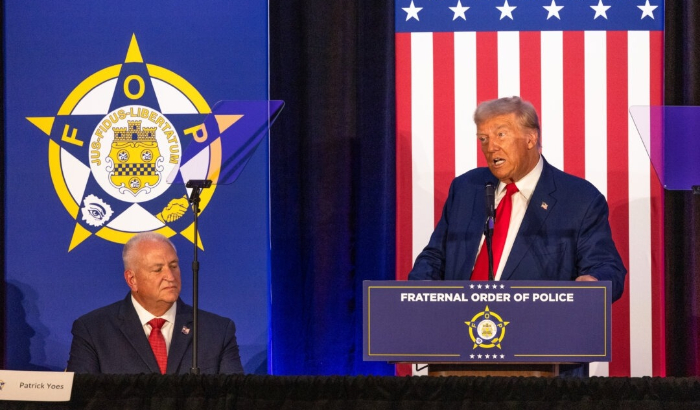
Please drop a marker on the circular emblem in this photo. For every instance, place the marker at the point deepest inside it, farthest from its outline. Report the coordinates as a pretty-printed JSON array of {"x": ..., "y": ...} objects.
[
  {"x": 127, "y": 163},
  {"x": 117, "y": 140},
  {"x": 486, "y": 329},
  {"x": 489, "y": 328}
]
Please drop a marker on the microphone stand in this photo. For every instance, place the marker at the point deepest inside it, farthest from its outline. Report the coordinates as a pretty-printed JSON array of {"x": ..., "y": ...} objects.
[
  {"x": 488, "y": 226},
  {"x": 197, "y": 185},
  {"x": 488, "y": 234}
]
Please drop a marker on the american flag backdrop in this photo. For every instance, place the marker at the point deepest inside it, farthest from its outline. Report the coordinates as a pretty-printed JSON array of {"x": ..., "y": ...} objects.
[{"x": 582, "y": 63}]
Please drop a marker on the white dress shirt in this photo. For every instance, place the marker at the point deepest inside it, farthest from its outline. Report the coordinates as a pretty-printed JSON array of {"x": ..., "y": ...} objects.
[
  {"x": 168, "y": 326},
  {"x": 526, "y": 186}
]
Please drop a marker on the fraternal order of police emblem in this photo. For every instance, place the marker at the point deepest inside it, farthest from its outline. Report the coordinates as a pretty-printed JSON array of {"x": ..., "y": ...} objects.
[
  {"x": 113, "y": 145},
  {"x": 487, "y": 329}
]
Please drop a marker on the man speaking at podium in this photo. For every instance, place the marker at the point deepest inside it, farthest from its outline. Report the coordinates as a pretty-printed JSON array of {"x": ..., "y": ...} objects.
[
  {"x": 150, "y": 331},
  {"x": 549, "y": 225}
]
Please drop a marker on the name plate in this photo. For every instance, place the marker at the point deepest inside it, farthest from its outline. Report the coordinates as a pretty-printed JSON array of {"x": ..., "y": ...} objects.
[
  {"x": 508, "y": 321},
  {"x": 35, "y": 386}
]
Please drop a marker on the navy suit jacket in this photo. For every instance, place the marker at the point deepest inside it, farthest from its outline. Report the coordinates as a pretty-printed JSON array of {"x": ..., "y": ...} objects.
[
  {"x": 565, "y": 233},
  {"x": 112, "y": 340}
]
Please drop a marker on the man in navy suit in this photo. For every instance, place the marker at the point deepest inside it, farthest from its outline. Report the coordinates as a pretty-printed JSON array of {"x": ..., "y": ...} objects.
[
  {"x": 115, "y": 339},
  {"x": 558, "y": 228}
]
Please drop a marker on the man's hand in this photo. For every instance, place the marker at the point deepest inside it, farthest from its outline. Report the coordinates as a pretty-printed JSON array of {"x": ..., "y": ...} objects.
[{"x": 586, "y": 278}]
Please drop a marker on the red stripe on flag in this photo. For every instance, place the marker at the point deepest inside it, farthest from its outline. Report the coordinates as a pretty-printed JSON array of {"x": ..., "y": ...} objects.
[
  {"x": 486, "y": 74},
  {"x": 404, "y": 190},
  {"x": 444, "y": 118},
  {"x": 618, "y": 193},
  {"x": 530, "y": 68},
  {"x": 574, "y": 99},
  {"x": 658, "y": 314}
]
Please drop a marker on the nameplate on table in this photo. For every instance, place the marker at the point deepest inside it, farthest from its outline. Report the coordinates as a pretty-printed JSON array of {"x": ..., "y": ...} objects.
[{"x": 35, "y": 386}]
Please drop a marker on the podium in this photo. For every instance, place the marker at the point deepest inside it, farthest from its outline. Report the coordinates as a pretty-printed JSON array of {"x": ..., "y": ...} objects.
[{"x": 504, "y": 328}]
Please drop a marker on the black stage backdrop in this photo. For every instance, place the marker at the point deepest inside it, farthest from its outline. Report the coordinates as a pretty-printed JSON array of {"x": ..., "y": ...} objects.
[
  {"x": 333, "y": 182},
  {"x": 332, "y": 179},
  {"x": 682, "y": 209}
]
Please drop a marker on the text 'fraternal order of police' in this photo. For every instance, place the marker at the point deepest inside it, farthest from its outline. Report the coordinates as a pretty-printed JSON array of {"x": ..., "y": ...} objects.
[{"x": 487, "y": 297}]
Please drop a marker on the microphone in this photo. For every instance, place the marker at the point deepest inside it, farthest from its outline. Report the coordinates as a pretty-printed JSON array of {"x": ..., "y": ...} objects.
[
  {"x": 490, "y": 198},
  {"x": 490, "y": 201}
]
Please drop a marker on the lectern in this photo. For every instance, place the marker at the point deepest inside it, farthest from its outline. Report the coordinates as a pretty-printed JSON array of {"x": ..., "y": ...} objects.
[{"x": 502, "y": 328}]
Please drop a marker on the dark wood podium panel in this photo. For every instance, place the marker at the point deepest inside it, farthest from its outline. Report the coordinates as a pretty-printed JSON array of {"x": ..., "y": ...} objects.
[{"x": 492, "y": 369}]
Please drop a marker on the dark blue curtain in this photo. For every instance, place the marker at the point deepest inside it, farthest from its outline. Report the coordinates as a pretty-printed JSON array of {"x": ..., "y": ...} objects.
[{"x": 332, "y": 179}]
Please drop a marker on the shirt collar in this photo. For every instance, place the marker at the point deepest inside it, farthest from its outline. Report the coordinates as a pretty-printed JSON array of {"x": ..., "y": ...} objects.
[
  {"x": 145, "y": 316},
  {"x": 526, "y": 185}
]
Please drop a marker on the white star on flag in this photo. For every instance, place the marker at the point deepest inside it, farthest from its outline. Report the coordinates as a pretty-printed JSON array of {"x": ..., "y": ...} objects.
[
  {"x": 506, "y": 10},
  {"x": 459, "y": 11},
  {"x": 412, "y": 12},
  {"x": 647, "y": 10},
  {"x": 553, "y": 10},
  {"x": 600, "y": 10}
]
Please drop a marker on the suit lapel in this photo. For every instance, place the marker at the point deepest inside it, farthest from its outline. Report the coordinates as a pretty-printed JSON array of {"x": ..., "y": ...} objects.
[
  {"x": 130, "y": 325},
  {"x": 540, "y": 206},
  {"x": 182, "y": 337}
]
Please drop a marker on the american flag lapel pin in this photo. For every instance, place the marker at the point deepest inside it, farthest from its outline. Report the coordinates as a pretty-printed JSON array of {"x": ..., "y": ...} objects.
[
  {"x": 185, "y": 330},
  {"x": 544, "y": 206}
]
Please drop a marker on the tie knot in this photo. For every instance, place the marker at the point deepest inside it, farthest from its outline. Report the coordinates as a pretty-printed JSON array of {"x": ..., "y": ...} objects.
[
  {"x": 511, "y": 189},
  {"x": 157, "y": 323}
]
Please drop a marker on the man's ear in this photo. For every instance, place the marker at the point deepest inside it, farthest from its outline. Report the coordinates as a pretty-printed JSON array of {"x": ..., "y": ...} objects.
[
  {"x": 130, "y": 278},
  {"x": 531, "y": 140}
]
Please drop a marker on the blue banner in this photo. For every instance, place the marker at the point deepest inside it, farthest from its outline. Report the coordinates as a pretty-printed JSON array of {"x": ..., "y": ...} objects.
[{"x": 102, "y": 101}]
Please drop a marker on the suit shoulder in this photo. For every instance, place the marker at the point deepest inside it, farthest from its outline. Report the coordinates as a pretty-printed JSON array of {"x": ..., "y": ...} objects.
[
  {"x": 213, "y": 318},
  {"x": 110, "y": 310},
  {"x": 476, "y": 176},
  {"x": 574, "y": 183}
]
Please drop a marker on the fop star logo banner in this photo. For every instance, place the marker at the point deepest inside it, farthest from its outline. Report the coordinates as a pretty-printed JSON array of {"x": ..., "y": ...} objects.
[
  {"x": 114, "y": 141},
  {"x": 102, "y": 101}
]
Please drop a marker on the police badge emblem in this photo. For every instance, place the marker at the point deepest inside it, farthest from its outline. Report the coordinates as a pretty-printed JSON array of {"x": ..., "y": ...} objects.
[
  {"x": 114, "y": 142},
  {"x": 489, "y": 328}
]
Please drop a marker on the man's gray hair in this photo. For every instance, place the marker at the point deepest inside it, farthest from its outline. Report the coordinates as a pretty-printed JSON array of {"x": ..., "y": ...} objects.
[
  {"x": 524, "y": 111},
  {"x": 130, "y": 245}
]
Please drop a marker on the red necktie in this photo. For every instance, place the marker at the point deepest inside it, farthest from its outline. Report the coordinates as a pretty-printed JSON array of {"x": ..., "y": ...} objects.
[
  {"x": 157, "y": 342},
  {"x": 500, "y": 232}
]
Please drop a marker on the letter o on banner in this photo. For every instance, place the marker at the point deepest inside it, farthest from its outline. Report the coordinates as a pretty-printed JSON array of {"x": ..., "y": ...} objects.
[{"x": 141, "y": 88}]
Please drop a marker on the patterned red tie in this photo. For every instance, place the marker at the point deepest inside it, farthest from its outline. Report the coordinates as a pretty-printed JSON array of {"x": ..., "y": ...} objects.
[
  {"x": 157, "y": 342},
  {"x": 500, "y": 232}
]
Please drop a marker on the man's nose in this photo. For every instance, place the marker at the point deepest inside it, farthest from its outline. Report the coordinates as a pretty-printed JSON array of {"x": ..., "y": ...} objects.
[
  {"x": 492, "y": 145},
  {"x": 169, "y": 274}
]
